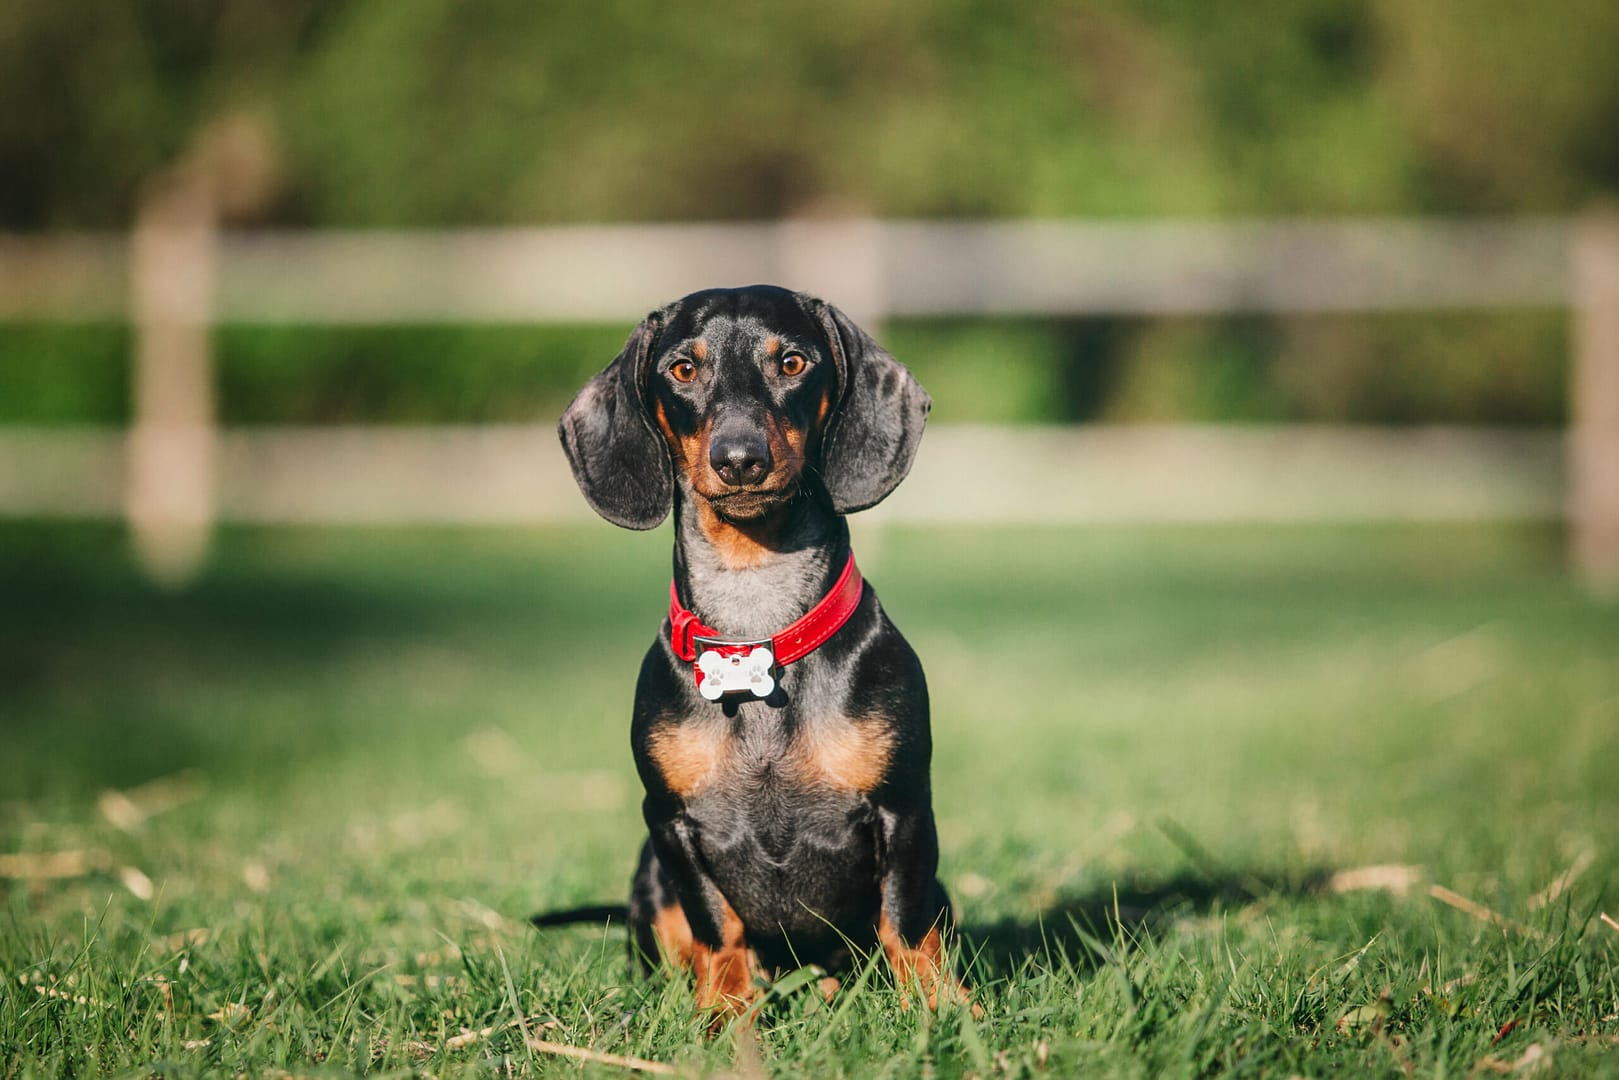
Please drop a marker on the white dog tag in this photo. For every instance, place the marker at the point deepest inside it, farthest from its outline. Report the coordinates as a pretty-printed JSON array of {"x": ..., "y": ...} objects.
[{"x": 737, "y": 673}]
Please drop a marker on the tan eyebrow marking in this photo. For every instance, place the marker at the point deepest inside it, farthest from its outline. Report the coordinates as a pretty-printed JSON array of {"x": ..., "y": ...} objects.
[
  {"x": 700, "y": 349},
  {"x": 772, "y": 345}
]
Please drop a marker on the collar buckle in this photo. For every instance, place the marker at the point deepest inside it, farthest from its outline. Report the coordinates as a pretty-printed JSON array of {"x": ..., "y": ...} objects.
[{"x": 703, "y": 643}]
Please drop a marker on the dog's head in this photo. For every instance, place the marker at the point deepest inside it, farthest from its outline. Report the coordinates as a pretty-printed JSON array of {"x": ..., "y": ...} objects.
[{"x": 754, "y": 395}]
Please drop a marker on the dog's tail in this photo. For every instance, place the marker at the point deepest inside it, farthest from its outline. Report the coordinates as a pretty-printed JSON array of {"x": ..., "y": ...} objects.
[{"x": 597, "y": 913}]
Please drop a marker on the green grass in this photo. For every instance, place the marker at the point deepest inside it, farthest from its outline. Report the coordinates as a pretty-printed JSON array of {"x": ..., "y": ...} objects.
[{"x": 1152, "y": 749}]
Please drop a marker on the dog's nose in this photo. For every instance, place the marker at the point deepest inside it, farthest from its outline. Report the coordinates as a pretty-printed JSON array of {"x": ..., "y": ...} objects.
[{"x": 739, "y": 457}]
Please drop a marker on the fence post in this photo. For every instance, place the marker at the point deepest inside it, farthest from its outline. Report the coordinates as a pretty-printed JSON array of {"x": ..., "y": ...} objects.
[
  {"x": 1594, "y": 408},
  {"x": 169, "y": 494}
]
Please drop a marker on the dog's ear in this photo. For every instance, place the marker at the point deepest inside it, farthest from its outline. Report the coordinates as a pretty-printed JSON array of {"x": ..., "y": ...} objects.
[
  {"x": 620, "y": 461},
  {"x": 871, "y": 440}
]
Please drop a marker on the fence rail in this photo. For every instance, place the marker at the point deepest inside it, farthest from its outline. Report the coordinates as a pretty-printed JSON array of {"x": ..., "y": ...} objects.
[
  {"x": 966, "y": 474},
  {"x": 878, "y": 269},
  {"x": 178, "y": 275}
]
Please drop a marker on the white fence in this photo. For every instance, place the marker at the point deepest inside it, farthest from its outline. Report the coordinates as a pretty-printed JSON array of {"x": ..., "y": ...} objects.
[
  {"x": 873, "y": 269},
  {"x": 966, "y": 474},
  {"x": 174, "y": 473}
]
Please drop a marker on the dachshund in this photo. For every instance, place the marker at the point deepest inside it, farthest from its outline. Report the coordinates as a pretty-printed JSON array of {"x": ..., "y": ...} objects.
[{"x": 780, "y": 723}]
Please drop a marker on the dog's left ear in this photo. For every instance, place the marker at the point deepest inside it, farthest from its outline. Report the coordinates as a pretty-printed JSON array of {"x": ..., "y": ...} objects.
[
  {"x": 621, "y": 463},
  {"x": 876, "y": 426}
]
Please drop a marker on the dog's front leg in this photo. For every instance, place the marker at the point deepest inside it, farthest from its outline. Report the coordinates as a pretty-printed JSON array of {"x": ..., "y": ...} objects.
[
  {"x": 915, "y": 910},
  {"x": 721, "y": 962}
]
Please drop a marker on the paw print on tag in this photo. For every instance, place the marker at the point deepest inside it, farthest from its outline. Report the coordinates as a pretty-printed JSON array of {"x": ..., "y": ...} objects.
[{"x": 736, "y": 673}]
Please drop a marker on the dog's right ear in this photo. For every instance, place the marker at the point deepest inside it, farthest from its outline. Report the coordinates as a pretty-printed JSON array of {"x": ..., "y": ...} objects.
[
  {"x": 619, "y": 460},
  {"x": 872, "y": 437}
]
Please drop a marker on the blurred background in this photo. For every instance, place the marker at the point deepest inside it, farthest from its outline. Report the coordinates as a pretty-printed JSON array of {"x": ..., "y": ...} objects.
[
  {"x": 347, "y": 262},
  {"x": 1274, "y": 352}
]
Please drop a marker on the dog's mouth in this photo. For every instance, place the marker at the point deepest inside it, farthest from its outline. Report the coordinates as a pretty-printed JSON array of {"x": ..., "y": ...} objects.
[{"x": 751, "y": 504}]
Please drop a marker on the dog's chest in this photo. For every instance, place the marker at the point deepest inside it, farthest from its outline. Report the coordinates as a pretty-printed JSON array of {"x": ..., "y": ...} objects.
[
  {"x": 709, "y": 756},
  {"x": 786, "y": 828},
  {"x": 773, "y": 780}
]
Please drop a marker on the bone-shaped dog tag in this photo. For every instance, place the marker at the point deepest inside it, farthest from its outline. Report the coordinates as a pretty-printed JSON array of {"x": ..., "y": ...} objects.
[{"x": 736, "y": 673}]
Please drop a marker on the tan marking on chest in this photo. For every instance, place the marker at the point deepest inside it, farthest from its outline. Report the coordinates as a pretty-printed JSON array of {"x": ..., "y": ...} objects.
[
  {"x": 688, "y": 756},
  {"x": 847, "y": 755}
]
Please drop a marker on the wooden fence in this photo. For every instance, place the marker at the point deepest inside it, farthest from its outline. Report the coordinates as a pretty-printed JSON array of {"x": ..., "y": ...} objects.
[{"x": 174, "y": 473}]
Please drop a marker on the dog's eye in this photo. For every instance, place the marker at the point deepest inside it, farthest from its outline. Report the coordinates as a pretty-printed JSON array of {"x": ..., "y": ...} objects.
[
  {"x": 683, "y": 371},
  {"x": 793, "y": 364}
]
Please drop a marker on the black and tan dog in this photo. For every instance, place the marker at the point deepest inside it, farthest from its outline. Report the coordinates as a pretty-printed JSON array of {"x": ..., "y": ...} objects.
[{"x": 781, "y": 721}]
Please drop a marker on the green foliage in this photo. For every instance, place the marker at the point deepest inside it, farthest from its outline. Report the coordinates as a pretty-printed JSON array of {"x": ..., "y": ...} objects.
[
  {"x": 390, "y": 760},
  {"x": 418, "y": 113},
  {"x": 54, "y": 373},
  {"x": 986, "y": 370},
  {"x": 1503, "y": 368},
  {"x": 1479, "y": 367},
  {"x": 414, "y": 112},
  {"x": 417, "y": 374}
]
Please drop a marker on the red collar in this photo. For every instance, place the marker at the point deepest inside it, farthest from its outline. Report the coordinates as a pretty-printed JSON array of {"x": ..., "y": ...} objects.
[{"x": 800, "y": 639}]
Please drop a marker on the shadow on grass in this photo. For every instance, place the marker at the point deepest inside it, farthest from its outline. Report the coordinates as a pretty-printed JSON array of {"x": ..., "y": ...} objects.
[{"x": 1082, "y": 929}]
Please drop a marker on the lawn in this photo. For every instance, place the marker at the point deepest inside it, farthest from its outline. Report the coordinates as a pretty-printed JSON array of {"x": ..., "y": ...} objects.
[{"x": 1273, "y": 802}]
